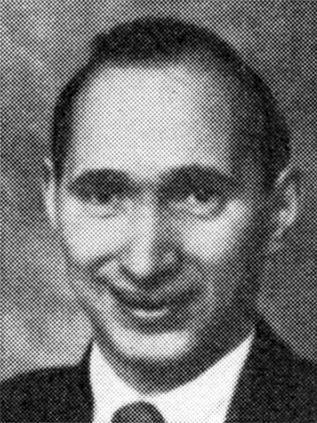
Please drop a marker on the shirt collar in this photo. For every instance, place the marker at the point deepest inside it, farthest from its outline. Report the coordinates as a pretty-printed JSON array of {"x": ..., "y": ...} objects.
[{"x": 204, "y": 399}]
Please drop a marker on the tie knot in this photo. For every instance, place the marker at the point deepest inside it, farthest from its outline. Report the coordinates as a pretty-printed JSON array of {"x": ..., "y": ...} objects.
[{"x": 137, "y": 412}]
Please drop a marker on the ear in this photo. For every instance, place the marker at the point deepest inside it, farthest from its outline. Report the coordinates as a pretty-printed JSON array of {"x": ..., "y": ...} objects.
[
  {"x": 49, "y": 191},
  {"x": 284, "y": 207}
]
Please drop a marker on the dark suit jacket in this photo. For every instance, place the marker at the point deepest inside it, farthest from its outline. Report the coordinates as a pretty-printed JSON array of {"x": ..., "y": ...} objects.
[{"x": 275, "y": 386}]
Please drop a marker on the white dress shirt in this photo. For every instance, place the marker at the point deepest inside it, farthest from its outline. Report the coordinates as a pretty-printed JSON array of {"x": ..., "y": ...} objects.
[{"x": 205, "y": 399}]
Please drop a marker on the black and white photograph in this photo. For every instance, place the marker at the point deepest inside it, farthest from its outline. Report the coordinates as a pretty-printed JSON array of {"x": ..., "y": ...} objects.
[{"x": 159, "y": 220}]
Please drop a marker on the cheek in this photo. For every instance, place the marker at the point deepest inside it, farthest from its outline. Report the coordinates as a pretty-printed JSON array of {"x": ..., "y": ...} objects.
[
  {"x": 223, "y": 249},
  {"x": 88, "y": 238},
  {"x": 223, "y": 239}
]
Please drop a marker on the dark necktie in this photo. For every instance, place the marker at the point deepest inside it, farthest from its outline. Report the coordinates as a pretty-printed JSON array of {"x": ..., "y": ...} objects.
[{"x": 137, "y": 412}]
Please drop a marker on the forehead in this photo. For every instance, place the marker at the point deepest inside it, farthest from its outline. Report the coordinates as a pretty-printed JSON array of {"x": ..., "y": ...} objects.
[{"x": 147, "y": 121}]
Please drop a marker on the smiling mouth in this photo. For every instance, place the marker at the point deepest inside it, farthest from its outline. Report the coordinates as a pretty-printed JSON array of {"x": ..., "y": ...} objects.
[{"x": 149, "y": 305}]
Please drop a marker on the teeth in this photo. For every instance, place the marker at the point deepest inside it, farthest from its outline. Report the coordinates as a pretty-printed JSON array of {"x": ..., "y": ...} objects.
[{"x": 143, "y": 313}]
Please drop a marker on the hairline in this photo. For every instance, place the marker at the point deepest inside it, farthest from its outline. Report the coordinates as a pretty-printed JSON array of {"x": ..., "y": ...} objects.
[{"x": 195, "y": 62}]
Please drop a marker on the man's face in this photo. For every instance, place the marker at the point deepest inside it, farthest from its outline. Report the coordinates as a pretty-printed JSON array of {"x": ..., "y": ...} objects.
[{"x": 159, "y": 213}]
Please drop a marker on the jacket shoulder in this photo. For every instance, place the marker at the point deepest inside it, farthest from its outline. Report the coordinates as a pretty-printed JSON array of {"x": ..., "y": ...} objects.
[
  {"x": 276, "y": 384},
  {"x": 298, "y": 376},
  {"x": 290, "y": 384},
  {"x": 287, "y": 369},
  {"x": 50, "y": 394}
]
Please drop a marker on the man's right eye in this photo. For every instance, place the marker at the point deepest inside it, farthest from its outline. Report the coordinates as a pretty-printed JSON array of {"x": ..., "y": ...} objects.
[
  {"x": 100, "y": 201},
  {"x": 93, "y": 195}
]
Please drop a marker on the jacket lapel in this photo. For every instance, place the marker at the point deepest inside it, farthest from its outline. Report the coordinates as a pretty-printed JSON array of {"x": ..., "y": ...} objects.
[{"x": 79, "y": 404}]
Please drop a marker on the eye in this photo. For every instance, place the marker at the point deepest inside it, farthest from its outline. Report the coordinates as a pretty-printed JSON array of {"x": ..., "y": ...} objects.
[
  {"x": 100, "y": 200},
  {"x": 202, "y": 203},
  {"x": 98, "y": 195},
  {"x": 204, "y": 195}
]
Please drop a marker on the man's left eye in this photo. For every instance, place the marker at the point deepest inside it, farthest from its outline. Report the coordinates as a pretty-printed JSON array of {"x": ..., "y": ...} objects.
[{"x": 202, "y": 203}]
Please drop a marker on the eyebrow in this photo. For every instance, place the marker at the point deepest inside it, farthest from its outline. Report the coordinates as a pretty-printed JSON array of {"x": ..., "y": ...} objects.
[
  {"x": 194, "y": 173},
  {"x": 101, "y": 178},
  {"x": 176, "y": 179}
]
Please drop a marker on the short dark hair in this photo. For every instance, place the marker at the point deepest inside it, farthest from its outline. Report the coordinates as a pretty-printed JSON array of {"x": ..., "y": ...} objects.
[{"x": 151, "y": 41}]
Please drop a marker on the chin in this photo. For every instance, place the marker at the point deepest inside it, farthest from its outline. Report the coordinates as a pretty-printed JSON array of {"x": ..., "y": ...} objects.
[{"x": 158, "y": 348}]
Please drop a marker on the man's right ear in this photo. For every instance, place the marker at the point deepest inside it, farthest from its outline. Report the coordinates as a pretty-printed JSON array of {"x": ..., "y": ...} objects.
[{"x": 49, "y": 191}]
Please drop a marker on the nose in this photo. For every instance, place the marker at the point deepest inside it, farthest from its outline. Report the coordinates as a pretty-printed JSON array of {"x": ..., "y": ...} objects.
[{"x": 153, "y": 255}]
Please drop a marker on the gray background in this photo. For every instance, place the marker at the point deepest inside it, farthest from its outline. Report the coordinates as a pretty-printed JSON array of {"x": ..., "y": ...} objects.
[{"x": 43, "y": 41}]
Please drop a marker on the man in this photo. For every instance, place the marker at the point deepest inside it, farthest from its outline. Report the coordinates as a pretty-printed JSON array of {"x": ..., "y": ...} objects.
[{"x": 169, "y": 184}]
